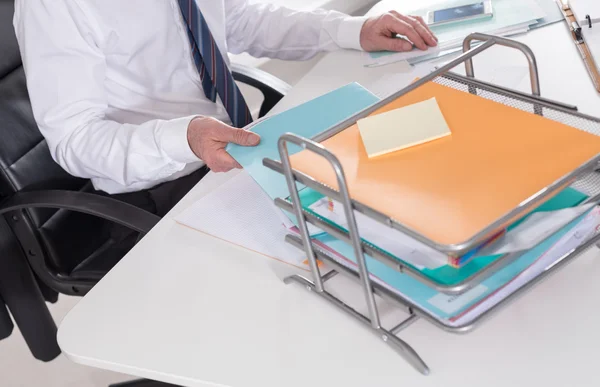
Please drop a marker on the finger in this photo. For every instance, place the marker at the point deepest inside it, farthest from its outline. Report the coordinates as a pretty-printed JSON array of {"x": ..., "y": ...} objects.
[
  {"x": 398, "y": 26},
  {"x": 424, "y": 24},
  {"x": 418, "y": 19},
  {"x": 238, "y": 136},
  {"x": 224, "y": 162},
  {"x": 396, "y": 44},
  {"x": 422, "y": 30}
]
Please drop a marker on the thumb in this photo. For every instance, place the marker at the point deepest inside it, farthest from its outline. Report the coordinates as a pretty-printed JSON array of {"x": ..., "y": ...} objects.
[{"x": 239, "y": 136}]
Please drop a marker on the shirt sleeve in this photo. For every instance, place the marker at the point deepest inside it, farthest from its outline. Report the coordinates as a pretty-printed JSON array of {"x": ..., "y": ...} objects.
[
  {"x": 278, "y": 32},
  {"x": 65, "y": 69}
]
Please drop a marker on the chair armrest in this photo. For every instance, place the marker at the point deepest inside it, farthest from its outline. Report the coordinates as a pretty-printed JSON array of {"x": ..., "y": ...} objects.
[
  {"x": 101, "y": 206},
  {"x": 258, "y": 78},
  {"x": 273, "y": 88}
]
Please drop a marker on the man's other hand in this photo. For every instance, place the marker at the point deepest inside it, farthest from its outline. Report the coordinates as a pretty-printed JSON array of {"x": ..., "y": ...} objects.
[
  {"x": 379, "y": 33},
  {"x": 208, "y": 138}
]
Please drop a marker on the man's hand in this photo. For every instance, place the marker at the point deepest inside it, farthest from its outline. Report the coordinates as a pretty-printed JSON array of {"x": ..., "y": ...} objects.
[
  {"x": 208, "y": 138},
  {"x": 379, "y": 33}
]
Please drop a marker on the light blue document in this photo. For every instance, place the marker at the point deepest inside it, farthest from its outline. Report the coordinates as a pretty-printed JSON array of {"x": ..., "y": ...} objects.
[
  {"x": 306, "y": 120},
  {"x": 553, "y": 14}
]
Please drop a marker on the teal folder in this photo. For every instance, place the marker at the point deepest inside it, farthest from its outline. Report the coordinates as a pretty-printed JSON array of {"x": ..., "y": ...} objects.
[
  {"x": 448, "y": 275},
  {"x": 306, "y": 120}
]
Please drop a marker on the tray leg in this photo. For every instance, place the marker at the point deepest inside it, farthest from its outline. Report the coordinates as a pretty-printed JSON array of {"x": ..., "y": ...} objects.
[
  {"x": 316, "y": 286},
  {"x": 398, "y": 345},
  {"x": 406, "y": 323}
]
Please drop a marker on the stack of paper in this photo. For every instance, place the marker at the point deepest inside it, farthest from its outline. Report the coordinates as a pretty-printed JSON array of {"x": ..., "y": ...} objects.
[
  {"x": 464, "y": 308},
  {"x": 575, "y": 237},
  {"x": 522, "y": 236},
  {"x": 510, "y": 17},
  {"x": 240, "y": 212}
]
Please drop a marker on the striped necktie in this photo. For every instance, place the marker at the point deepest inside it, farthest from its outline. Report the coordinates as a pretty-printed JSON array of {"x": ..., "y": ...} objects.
[{"x": 214, "y": 73}]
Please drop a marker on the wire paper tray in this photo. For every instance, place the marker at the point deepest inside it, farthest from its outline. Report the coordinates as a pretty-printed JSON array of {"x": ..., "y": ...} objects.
[
  {"x": 532, "y": 103},
  {"x": 586, "y": 180}
]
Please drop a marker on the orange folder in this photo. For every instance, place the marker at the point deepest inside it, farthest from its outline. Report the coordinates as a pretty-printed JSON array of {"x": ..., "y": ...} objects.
[{"x": 451, "y": 189}]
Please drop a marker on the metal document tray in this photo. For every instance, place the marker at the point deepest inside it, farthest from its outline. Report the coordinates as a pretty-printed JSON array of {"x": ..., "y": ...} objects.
[
  {"x": 586, "y": 181},
  {"x": 532, "y": 103}
]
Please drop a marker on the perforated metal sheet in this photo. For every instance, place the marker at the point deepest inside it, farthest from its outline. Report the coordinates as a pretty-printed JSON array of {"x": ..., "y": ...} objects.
[{"x": 589, "y": 184}]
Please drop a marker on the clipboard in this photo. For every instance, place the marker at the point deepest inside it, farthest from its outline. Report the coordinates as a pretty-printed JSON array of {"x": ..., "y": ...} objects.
[{"x": 577, "y": 36}]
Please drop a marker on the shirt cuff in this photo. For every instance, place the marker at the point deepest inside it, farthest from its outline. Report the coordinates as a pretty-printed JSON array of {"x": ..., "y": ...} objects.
[
  {"x": 174, "y": 140},
  {"x": 349, "y": 32}
]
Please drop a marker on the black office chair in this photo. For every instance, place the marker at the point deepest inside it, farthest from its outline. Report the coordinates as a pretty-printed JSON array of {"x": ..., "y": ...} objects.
[
  {"x": 53, "y": 229},
  {"x": 6, "y": 324}
]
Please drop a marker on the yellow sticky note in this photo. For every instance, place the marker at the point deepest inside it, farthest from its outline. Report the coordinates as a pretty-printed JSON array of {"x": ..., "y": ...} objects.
[{"x": 402, "y": 128}]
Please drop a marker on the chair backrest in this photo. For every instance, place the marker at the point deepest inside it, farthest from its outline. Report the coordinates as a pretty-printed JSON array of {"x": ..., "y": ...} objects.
[
  {"x": 26, "y": 163},
  {"x": 24, "y": 157},
  {"x": 6, "y": 324}
]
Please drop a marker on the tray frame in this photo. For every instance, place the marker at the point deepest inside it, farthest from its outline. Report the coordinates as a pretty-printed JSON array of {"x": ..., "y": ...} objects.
[{"x": 369, "y": 288}]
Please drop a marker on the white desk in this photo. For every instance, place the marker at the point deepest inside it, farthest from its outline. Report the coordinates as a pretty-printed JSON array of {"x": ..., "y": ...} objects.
[{"x": 192, "y": 310}]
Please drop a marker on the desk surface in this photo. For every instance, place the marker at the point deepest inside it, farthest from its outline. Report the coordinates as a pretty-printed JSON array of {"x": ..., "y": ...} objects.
[{"x": 186, "y": 308}]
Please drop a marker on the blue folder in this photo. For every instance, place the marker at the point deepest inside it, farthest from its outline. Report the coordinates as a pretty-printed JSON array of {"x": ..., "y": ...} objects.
[{"x": 307, "y": 120}]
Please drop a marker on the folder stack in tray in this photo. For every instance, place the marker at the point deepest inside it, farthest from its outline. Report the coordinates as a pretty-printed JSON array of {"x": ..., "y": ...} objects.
[
  {"x": 457, "y": 309},
  {"x": 452, "y": 201},
  {"x": 444, "y": 209},
  {"x": 450, "y": 190}
]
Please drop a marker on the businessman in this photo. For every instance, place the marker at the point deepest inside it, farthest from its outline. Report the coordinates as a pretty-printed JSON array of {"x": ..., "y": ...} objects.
[{"x": 137, "y": 96}]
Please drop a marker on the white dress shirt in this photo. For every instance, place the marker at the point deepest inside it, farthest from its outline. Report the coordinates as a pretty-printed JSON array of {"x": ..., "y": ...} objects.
[{"x": 113, "y": 84}]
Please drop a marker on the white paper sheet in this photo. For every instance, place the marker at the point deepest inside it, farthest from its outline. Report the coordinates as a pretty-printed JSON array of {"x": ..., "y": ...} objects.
[
  {"x": 390, "y": 240},
  {"x": 528, "y": 234},
  {"x": 240, "y": 212},
  {"x": 574, "y": 238},
  {"x": 535, "y": 229}
]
